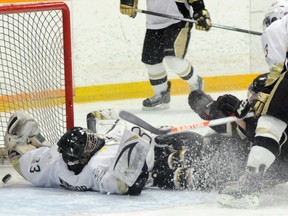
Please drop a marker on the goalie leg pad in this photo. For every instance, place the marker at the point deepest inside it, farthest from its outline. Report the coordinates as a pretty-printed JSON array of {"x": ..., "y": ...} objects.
[
  {"x": 130, "y": 158},
  {"x": 98, "y": 115}
]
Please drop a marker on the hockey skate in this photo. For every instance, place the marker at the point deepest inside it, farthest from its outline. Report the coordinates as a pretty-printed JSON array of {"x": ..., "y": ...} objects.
[
  {"x": 183, "y": 179},
  {"x": 243, "y": 193},
  {"x": 181, "y": 158},
  {"x": 158, "y": 102},
  {"x": 199, "y": 85}
]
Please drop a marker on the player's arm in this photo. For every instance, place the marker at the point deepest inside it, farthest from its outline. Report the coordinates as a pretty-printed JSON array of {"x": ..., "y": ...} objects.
[{"x": 201, "y": 15}]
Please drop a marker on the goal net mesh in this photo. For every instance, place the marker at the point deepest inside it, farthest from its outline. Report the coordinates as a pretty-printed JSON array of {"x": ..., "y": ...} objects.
[{"x": 33, "y": 78}]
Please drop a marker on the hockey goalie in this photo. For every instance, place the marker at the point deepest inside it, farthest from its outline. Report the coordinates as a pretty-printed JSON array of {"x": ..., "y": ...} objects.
[{"x": 111, "y": 160}]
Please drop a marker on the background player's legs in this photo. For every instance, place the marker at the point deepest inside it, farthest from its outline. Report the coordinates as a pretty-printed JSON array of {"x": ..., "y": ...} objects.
[
  {"x": 158, "y": 80},
  {"x": 185, "y": 71}
]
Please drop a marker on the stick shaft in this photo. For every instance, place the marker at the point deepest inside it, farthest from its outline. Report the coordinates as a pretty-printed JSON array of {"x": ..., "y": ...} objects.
[
  {"x": 209, "y": 123},
  {"x": 145, "y": 125},
  {"x": 193, "y": 21}
]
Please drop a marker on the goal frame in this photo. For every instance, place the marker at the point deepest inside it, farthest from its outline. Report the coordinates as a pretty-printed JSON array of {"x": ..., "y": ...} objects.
[{"x": 45, "y": 6}]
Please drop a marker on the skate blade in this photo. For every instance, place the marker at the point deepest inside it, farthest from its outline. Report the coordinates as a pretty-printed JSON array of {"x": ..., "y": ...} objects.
[
  {"x": 245, "y": 202},
  {"x": 158, "y": 107}
]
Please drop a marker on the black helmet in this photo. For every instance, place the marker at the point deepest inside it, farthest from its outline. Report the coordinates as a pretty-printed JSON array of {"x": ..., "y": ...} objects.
[
  {"x": 77, "y": 146},
  {"x": 258, "y": 85}
]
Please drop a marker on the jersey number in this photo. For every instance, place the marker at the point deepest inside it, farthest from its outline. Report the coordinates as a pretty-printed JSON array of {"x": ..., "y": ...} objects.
[{"x": 35, "y": 166}]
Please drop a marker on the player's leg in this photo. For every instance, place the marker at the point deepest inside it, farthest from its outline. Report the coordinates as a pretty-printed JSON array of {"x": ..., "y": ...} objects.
[
  {"x": 270, "y": 127},
  {"x": 152, "y": 57},
  {"x": 176, "y": 41}
]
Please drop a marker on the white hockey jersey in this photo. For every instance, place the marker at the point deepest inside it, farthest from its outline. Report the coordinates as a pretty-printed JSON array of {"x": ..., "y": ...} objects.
[
  {"x": 166, "y": 7},
  {"x": 275, "y": 46},
  {"x": 45, "y": 167}
]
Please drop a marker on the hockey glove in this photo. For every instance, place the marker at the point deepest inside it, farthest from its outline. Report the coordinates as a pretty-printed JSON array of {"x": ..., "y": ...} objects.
[
  {"x": 203, "y": 21},
  {"x": 20, "y": 128},
  {"x": 229, "y": 104},
  {"x": 128, "y": 7},
  {"x": 258, "y": 104}
]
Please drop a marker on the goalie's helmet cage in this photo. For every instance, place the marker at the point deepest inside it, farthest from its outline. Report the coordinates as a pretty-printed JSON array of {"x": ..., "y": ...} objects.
[
  {"x": 36, "y": 66},
  {"x": 77, "y": 146},
  {"x": 277, "y": 10}
]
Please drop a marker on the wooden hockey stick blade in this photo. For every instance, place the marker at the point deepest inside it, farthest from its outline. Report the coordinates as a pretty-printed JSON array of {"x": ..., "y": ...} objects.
[
  {"x": 194, "y": 21},
  {"x": 145, "y": 125}
]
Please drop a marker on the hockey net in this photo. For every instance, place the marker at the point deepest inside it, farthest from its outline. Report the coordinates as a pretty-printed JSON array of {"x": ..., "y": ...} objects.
[{"x": 36, "y": 68}]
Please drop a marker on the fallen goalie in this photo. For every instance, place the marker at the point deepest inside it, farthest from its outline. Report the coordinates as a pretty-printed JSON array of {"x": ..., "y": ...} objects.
[{"x": 115, "y": 160}]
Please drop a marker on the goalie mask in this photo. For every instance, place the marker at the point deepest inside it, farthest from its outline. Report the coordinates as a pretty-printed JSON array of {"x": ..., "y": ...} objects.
[
  {"x": 77, "y": 146},
  {"x": 278, "y": 9}
]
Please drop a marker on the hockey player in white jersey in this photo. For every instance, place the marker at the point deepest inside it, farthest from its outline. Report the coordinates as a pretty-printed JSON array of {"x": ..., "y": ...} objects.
[
  {"x": 165, "y": 45},
  {"x": 271, "y": 109},
  {"x": 111, "y": 160}
]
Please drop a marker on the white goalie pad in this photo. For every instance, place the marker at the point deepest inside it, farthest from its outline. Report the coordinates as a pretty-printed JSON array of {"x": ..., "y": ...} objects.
[
  {"x": 106, "y": 114},
  {"x": 130, "y": 158},
  {"x": 111, "y": 127},
  {"x": 101, "y": 121}
]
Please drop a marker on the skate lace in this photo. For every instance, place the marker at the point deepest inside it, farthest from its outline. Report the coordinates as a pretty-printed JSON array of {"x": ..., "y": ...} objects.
[{"x": 155, "y": 98}]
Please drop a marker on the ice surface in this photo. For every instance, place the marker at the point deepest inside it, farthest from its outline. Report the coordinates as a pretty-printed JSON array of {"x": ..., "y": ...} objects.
[{"x": 21, "y": 198}]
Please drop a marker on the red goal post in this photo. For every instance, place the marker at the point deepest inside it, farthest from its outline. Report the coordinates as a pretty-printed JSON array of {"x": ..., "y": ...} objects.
[{"x": 36, "y": 66}]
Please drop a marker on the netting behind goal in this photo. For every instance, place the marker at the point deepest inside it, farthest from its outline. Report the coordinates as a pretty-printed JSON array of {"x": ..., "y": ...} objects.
[{"x": 35, "y": 67}]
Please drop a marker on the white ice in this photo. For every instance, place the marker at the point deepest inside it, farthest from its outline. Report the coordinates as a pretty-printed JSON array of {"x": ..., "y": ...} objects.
[{"x": 21, "y": 198}]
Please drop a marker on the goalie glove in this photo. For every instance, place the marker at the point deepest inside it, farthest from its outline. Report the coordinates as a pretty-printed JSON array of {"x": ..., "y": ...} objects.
[
  {"x": 128, "y": 7},
  {"x": 22, "y": 129}
]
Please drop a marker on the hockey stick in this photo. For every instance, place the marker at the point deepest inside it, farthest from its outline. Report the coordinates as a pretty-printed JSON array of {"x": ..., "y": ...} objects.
[
  {"x": 194, "y": 21},
  {"x": 208, "y": 123}
]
